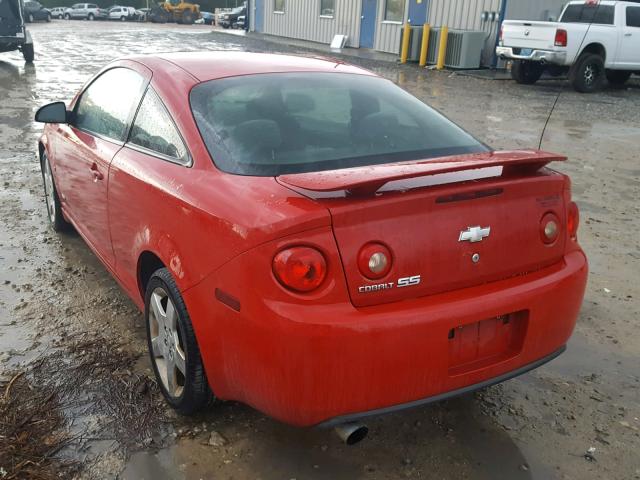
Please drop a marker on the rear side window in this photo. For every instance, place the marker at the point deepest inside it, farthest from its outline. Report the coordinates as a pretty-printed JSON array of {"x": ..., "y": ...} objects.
[
  {"x": 273, "y": 124},
  {"x": 633, "y": 17},
  {"x": 107, "y": 105},
  {"x": 154, "y": 130},
  {"x": 589, "y": 13}
]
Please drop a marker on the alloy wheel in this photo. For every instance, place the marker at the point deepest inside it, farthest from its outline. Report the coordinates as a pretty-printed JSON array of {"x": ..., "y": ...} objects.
[
  {"x": 49, "y": 191},
  {"x": 590, "y": 73},
  {"x": 166, "y": 342}
]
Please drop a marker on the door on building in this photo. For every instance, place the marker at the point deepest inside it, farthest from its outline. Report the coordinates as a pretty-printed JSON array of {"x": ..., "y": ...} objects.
[
  {"x": 417, "y": 12},
  {"x": 368, "y": 23},
  {"x": 258, "y": 15}
]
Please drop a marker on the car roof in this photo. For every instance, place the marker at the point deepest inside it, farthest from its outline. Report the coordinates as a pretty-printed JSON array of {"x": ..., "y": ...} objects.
[{"x": 211, "y": 65}]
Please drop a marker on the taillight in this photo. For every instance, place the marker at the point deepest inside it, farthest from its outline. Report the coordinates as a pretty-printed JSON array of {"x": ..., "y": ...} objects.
[
  {"x": 561, "y": 38},
  {"x": 573, "y": 220},
  {"x": 301, "y": 269},
  {"x": 374, "y": 260},
  {"x": 549, "y": 228}
]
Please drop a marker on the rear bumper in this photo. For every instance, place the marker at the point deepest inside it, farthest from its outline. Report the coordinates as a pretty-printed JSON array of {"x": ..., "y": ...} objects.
[
  {"x": 326, "y": 364},
  {"x": 544, "y": 56}
]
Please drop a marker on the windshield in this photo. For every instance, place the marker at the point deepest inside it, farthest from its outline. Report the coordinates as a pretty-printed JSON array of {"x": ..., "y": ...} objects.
[{"x": 274, "y": 124}]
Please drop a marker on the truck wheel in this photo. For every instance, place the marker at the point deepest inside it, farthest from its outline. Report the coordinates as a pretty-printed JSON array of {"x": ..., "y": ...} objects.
[
  {"x": 618, "y": 77},
  {"x": 173, "y": 348},
  {"x": 588, "y": 73},
  {"x": 28, "y": 52},
  {"x": 525, "y": 72}
]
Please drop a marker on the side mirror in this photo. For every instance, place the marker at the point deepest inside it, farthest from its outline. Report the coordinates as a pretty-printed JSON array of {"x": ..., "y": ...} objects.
[{"x": 53, "y": 113}]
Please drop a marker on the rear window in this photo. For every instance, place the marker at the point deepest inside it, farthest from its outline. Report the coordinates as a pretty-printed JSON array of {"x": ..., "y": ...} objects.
[
  {"x": 274, "y": 124},
  {"x": 589, "y": 13}
]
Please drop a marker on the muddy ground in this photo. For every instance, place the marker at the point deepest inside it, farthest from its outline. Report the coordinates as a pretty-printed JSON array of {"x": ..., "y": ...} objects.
[{"x": 80, "y": 342}]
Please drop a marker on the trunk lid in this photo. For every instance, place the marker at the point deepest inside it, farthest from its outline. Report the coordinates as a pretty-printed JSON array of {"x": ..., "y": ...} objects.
[
  {"x": 526, "y": 34},
  {"x": 426, "y": 214}
]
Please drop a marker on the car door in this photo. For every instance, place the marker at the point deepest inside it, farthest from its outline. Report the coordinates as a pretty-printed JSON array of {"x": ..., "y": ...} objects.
[
  {"x": 629, "y": 55},
  {"x": 154, "y": 159},
  {"x": 99, "y": 126}
]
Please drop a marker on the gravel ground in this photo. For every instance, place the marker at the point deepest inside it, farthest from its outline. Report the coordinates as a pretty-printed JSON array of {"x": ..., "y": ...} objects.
[{"x": 575, "y": 418}]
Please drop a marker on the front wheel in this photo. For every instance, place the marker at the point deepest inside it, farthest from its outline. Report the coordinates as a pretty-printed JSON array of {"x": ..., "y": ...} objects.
[
  {"x": 30, "y": 18},
  {"x": 90, "y": 17},
  {"x": 588, "y": 73},
  {"x": 525, "y": 72},
  {"x": 67, "y": 16},
  {"x": 173, "y": 348},
  {"x": 618, "y": 77},
  {"x": 54, "y": 212},
  {"x": 122, "y": 19}
]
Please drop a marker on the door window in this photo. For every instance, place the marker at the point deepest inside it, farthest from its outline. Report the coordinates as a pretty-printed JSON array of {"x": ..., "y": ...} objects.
[
  {"x": 107, "y": 105},
  {"x": 154, "y": 130},
  {"x": 633, "y": 17}
]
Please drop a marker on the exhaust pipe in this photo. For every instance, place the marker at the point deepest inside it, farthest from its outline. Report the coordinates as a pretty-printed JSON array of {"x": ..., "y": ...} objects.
[{"x": 352, "y": 433}]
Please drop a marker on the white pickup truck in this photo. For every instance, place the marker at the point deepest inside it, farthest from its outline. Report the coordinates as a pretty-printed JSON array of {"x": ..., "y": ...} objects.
[{"x": 594, "y": 41}]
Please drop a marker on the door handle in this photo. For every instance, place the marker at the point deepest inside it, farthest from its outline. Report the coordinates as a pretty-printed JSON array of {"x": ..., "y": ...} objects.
[
  {"x": 97, "y": 175},
  {"x": 628, "y": 34}
]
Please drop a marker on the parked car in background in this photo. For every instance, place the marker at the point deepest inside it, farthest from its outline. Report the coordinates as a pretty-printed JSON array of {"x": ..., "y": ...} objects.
[
  {"x": 122, "y": 13},
  {"x": 229, "y": 19},
  {"x": 381, "y": 257},
  {"x": 88, "y": 11},
  {"x": 34, "y": 12},
  {"x": 240, "y": 22},
  {"x": 58, "y": 12},
  {"x": 141, "y": 14},
  {"x": 594, "y": 42},
  {"x": 207, "y": 18},
  {"x": 13, "y": 33}
]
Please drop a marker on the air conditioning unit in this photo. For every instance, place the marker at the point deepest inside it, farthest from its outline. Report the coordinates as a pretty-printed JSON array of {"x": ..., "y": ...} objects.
[{"x": 464, "y": 48}]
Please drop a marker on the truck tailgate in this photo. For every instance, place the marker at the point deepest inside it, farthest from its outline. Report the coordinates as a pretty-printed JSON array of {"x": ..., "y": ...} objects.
[{"x": 527, "y": 34}]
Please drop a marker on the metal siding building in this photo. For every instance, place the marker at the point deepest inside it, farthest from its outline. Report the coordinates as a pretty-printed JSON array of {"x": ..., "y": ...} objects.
[
  {"x": 538, "y": 10},
  {"x": 301, "y": 19},
  {"x": 467, "y": 15},
  {"x": 363, "y": 20}
]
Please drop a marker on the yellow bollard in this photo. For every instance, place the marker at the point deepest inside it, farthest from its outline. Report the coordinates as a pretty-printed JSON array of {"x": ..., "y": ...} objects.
[
  {"x": 426, "y": 30},
  {"x": 442, "y": 52},
  {"x": 406, "y": 37}
]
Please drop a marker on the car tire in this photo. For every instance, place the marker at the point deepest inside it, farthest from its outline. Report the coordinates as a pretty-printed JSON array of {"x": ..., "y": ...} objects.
[
  {"x": 225, "y": 25},
  {"x": 67, "y": 16},
  {"x": 618, "y": 78},
  {"x": 30, "y": 18},
  {"x": 28, "y": 52},
  {"x": 90, "y": 17},
  {"x": 54, "y": 210},
  {"x": 173, "y": 348},
  {"x": 525, "y": 72},
  {"x": 588, "y": 74},
  {"x": 60, "y": 17},
  {"x": 123, "y": 18},
  {"x": 48, "y": 18}
]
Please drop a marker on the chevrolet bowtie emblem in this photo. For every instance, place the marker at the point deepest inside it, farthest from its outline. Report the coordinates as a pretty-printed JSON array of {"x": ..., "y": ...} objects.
[{"x": 474, "y": 234}]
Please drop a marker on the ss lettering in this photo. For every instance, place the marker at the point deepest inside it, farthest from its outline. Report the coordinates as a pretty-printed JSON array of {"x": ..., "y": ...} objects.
[{"x": 409, "y": 281}]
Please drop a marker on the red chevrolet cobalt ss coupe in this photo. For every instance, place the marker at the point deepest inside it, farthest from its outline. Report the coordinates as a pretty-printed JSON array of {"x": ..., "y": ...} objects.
[{"x": 308, "y": 238}]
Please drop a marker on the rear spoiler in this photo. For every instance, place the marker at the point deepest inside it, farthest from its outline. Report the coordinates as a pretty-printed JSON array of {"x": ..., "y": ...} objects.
[{"x": 368, "y": 180}]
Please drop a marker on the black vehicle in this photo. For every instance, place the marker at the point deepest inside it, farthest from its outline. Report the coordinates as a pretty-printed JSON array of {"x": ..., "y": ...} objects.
[
  {"x": 230, "y": 19},
  {"x": 13, "y": 34},
  {"x": 34, "y": 11}
]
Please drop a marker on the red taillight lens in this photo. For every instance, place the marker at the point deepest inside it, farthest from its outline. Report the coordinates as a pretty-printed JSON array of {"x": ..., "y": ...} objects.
[
  {"x": 374, "y": 260},
  {"x": 561, "y": 38},
  {"x": 301, "y": 269},
  {"x": 573, "y": 220},
  {"x": 549, "y": 228}
]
